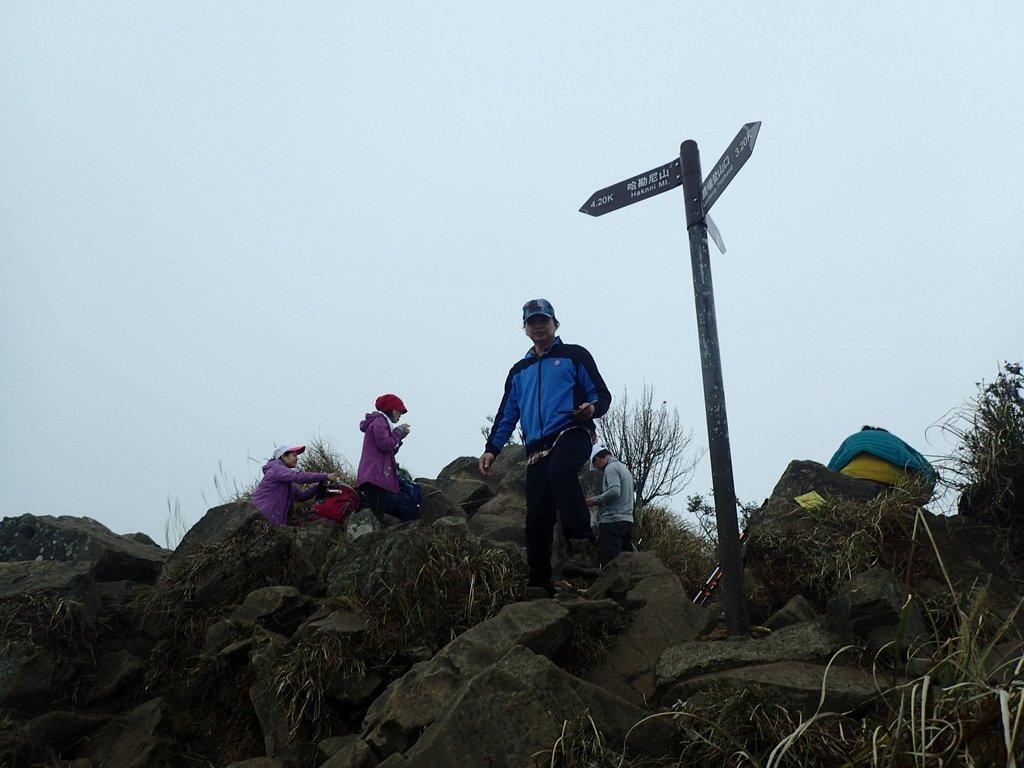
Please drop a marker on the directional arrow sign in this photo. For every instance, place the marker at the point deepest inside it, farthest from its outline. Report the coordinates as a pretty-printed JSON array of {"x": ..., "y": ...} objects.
[
  {"x": 668, "y": 176},
  {"x": 729, "y": 164},
  {"x": 654, "y": 182}
]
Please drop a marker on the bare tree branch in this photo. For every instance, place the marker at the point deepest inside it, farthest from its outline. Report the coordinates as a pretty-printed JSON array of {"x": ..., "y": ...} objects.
[{"x": 650, "y": 441}]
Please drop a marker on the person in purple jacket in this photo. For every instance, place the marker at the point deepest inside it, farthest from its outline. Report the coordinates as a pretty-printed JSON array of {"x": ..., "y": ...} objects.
[
  {"x": 377, "y": 476},
  {"x": 280, "y": 486}
]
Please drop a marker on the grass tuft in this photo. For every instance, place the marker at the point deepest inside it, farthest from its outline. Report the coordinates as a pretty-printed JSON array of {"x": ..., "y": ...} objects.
[
  {"x": 816, "y": 551},
  {"x": 988, "y": 464},
  {"x": 683, "y": 550},
  {"x": 321, "y": 456},
  {"x": 49, "y": 621}
]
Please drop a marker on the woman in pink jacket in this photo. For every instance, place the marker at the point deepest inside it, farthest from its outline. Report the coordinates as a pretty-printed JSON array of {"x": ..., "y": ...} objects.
[
  {"x": 279, "y": 488},
  {"x": 377, "y": 477}
]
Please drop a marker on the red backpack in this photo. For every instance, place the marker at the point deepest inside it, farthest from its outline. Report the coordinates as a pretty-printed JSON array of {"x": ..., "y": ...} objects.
[{"x": 341, "y": 502}]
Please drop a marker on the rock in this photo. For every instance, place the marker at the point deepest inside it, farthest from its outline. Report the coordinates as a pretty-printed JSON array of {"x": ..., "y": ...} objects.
[
  {"x": 362, "y": 523},
  {"x": 466, "y": 494},
  {"x": 140, "y": 737},
  {"x": 503, "y": 518},
  {"x": 215, "y": 527},
  {"x": 685, "y": 661},
  {"x": 351, "y": 752},
  {"x": 870, "y": 609},
  {"x": 273, "y": 719},
  {"x": 26, "y": 672},
  {"x": 802, "y": 684},
  {"x": 515, "y": 709},
  {"x": 60, "y": 729},
  {"x": 435, "y": 505},
  {"x": 37, "y": 577},
  {"x": 662, "y": 615},
  {"x": 417, "y": 698},
  {"x": 116, "y": 675},
  {"x": 202, "y": 665},
  {"x": 803, "y": 477},
  {"x": 796, "y": 611},
  {"x": 66, "y": 538},
  {"x": 279, "y": 609}
]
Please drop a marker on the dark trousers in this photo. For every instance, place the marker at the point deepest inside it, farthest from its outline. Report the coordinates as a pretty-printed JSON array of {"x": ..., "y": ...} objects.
[
  {"x": 613, "y": 539},
  {"x": 553, "y": 488},
  {"x": 375, "y": 498}
]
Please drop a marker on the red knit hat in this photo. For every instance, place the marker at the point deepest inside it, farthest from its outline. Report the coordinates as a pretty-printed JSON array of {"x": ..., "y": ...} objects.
[{"x": 390, "y": 403}]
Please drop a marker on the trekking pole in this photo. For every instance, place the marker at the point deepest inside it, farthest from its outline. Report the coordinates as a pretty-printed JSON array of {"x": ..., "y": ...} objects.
[{"x": 707, "y": 589}]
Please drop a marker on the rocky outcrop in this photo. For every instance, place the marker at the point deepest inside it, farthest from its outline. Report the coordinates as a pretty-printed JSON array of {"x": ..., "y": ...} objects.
[
  {"x": 255, "y": 646},
  {"x": 81, "y": 539}
]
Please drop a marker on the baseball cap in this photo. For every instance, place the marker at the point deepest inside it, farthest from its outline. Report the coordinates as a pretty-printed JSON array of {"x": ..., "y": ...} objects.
[
  {"x": 538, "y": 307},
  {"x": 281, "y": 450},
  {"x": 597, "y": 449}
]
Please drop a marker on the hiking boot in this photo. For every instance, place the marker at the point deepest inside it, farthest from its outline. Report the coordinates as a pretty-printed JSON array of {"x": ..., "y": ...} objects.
[{"x": 583, "y": 560}]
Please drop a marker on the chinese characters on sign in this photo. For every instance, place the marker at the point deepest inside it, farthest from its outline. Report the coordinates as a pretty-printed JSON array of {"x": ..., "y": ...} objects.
[
  {"x": 729, "y": 164},
  {"x": 648, "y": 184},
  {"x": 669, "y": 176}
]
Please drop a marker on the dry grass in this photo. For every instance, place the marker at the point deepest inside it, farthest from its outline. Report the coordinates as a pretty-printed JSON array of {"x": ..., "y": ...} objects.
[
  {"x": 966, "y": 709},
  {"x": 448, "y": 586},
  {"x": 303, "y": 677},
  {"x": 321, "y": 456},
  {"x": 231, "y": 491},
  {"x": 452, "y": 586},
  {"x": 754, "y": 725},
  {"x": 683, "y": 550},
  {"x": 816, "y": 551},
  {"x": 171, "y": 600},
  {"x": 49, "y": 621},
  {"x": 988, "y": 464},
  {"x": 582, "y": 745},
  {"x": 592, "y": 637}
]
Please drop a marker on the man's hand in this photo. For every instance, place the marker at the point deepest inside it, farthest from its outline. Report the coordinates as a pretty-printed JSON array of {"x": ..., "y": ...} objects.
[
  {"x": 485, "y": 464},
  {"x": 591, "y": 502},
  {"x": 584, "y": 412},
  {"x": 332, "y": 476}
]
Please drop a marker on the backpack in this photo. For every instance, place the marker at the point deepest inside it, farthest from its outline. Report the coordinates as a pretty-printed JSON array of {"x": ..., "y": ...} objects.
[
  {"x": 340, "y": 503},
  {"x": 405, "y": 503}
]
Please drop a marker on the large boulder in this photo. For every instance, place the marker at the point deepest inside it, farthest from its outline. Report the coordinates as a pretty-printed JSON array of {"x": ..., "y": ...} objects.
[
  {"x": 65, "y": 538},
  {"x": 34, "y": 577},
  {"x": 800, "y": 642},
  {"x": 805, "y": 686},
  {"x": 503, "y": 518},
  {"x": 514, "y": 711},
  {"x": 874, "y": 610},
  {"x": 435, "y": 504},
  {"x": 414, "y": 701},
  {"x": 662, "y": 616}
]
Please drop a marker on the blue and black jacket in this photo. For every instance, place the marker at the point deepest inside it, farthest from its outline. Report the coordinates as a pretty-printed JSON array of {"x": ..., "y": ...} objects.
[{"x": 540, "y": 392}]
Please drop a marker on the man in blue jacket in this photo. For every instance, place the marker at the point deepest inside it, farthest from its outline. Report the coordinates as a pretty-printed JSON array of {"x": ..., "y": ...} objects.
[{"x": 555, "y": 392}]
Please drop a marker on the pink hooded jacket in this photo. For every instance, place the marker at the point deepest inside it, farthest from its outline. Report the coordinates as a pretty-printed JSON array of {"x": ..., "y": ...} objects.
[
  {"x": 278, "y": 490},
  {"x": 381, "y": 441}
]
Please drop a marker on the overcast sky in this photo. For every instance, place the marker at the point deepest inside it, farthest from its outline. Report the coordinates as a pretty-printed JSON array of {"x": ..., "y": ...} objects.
[{"x": 228, "y": 225}]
